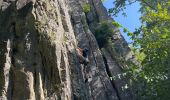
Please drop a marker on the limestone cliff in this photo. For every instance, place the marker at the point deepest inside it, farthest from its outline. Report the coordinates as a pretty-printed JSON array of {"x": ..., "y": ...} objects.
[{"x": 38, "y": 52}]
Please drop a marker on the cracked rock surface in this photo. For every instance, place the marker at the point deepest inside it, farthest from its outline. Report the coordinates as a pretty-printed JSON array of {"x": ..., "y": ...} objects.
[{"x": 38, "y": 52}]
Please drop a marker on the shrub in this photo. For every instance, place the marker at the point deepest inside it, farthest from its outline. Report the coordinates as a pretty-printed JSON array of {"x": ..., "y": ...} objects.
[
  {"x": 103, "y": 33},
  {"x": 86, "y": 8}
]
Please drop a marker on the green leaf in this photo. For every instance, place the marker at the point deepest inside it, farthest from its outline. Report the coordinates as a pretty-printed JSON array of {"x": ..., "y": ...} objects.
[
  {"x": 159, "y": 7},
  {"x": 116, "y": 24},
  {"x": 130, "y": 34},
  {"x": 164, "y": 35},
  {"x": 125, "y": 30}
]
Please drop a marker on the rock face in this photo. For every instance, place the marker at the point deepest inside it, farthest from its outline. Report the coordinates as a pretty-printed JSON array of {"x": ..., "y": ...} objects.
[{"x": 38, "y": 52}]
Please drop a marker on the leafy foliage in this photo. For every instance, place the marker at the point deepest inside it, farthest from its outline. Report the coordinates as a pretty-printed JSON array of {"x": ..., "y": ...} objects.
[
  {"x": 154, "y": 39},
  {"x": 119, "y": 6},
  {"x": 86, "y": 8},
  {"x": 103, "y": 33},
  {"x": 152, "y": 46}
]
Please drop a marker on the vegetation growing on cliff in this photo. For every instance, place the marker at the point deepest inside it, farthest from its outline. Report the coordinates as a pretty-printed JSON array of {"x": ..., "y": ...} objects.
[
  {"x": 103, "y": 33},
  {"x": 86, "y": 8}
]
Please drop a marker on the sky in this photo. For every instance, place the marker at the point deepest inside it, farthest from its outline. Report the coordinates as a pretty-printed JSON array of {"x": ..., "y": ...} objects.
[{"x": 131, "y": 21}]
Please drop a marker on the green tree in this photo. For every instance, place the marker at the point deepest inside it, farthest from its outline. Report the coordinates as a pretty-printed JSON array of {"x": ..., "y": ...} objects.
[{"x": 153, "y": 40}]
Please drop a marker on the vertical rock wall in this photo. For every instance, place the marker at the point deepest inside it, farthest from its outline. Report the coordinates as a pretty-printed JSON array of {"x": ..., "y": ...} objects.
[{"x": 38, "y": 52}]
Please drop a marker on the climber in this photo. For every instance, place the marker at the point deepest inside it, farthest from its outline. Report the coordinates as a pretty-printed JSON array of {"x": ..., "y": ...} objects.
[
  {"x": 83, "y": 59},
  {"x": 83, "y": 55}
]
